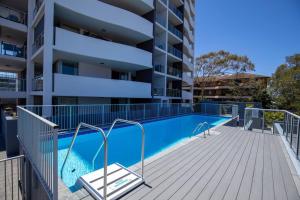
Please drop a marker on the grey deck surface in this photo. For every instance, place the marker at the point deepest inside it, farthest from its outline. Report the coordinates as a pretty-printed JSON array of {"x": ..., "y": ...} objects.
[{"x": 236, "y": 164}]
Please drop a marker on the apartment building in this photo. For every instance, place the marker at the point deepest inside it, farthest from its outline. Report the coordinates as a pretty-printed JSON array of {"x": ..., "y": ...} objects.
[
  {"x": 220, "y": 88},
  {"x": 108, "y": 51}
]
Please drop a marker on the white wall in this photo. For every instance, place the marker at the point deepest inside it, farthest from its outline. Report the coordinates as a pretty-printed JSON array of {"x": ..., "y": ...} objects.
[{"x": 92, "y": 70}]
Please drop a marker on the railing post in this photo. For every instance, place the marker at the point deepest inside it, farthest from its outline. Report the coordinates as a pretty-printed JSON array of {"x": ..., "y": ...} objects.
[
  {"x": 126, "y": 111},
  {"x": 263, "y": 122},
  {"x": 70, "y": 120},
  {"x": 291, "y": 130},
  {"x": 55, "y": 170},
  {"x": 102, "y": 120},
  {"x": 298, "y": 127},
  {"x": 144, "y": 111}
]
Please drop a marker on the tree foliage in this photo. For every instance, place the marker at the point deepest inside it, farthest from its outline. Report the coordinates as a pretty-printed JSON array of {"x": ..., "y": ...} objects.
[
  {"x": 285, "y": 84},
  {"x": 220, "y": 63}
]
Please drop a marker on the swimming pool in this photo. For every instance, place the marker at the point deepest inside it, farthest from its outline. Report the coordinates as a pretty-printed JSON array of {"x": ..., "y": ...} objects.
[{"x": 124, "y": 144}]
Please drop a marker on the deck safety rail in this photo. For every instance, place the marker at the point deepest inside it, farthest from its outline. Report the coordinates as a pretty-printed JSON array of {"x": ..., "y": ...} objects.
[
  {"x": 142, "y": 145},
  {"x": 11, "y": 177},
  {"x": 38, "y": 139},
  {"x": 285, "y": 123},
  {"x": 69, "y": 116},
  {"x": 105, "y": 152}
]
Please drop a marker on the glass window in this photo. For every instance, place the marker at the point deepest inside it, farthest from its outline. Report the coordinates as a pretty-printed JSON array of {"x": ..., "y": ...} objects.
[{"x": 69, "y": 68}]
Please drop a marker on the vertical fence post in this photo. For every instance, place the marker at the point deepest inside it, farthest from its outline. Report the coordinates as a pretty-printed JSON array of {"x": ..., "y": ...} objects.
[
  {"x": 298, "y": 127},
  {"x": 55, "y": 160},
  {"x": 70, "y": 120},
  {"x": 285, "y": 124},
  {"x": 102, "y": 115},
  {"x": 126, "y": 111},
  {"x": 291, "y": 130},
  {"x": 144, "y": 111},
  {"x": 245, "y": 118},
  {"x": 263, "y": 122}
]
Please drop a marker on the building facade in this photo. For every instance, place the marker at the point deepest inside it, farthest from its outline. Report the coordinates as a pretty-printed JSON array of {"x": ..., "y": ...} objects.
[
  {"x": 70, "y": 52},
  {"x": 221, "y": 88}
]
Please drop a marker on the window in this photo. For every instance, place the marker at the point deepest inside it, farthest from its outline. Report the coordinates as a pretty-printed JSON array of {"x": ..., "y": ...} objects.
[{"x": 69, "y": 68}]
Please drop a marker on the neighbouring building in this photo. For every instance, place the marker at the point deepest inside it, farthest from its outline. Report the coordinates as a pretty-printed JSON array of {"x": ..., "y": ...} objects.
[
  {"x": 92, "y": 52},
  {"x": 220, "y": 88}
]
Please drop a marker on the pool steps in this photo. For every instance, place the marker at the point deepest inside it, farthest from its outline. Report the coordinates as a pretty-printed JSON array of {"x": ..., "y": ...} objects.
[{"x": 120, "y": 180}]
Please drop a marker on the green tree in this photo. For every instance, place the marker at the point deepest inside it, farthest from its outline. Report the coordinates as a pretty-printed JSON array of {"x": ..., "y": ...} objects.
[
  {"x": 285, "y": 84},
  {"x": 219, "y": 63}
]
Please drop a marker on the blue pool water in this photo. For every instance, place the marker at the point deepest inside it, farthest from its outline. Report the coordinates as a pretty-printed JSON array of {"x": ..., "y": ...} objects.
[{"x": 124, "y": 144}]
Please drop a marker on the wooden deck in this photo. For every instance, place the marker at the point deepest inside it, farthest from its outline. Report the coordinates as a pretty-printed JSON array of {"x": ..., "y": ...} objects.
[{"x": 235, "y": 164}]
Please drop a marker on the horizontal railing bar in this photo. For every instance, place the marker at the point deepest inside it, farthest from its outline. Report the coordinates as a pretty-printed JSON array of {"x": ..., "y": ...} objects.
[{"x": 11, "y": 158}]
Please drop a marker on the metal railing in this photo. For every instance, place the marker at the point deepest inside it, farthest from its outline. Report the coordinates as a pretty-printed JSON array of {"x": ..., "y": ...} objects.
[
  {"x": 266, "y": 120},
  {"x": 8, "y": 49},
  {"x": 159, "y": 68},
  {"x": 12, "y": 84},
  {"x": 37, "y": 83},
  {"x": 38, "y": 42},
  {"x": 199, "y": 129},
  {"x": 160, "y": 44},
  {"x": 38, "y": 139},
  {"x": 165, "y": 2},
  {"x": 158, "y": 91},
  {"x": 175, "y": 10},
  {"x": 142, "y": 145},
  {"x": 175, "y": 31},
  {"x": 174, "y": 51},
  {"x": 174, "y": 72},
  {"x": 37, "y": 7},
  {"x": 12, "y": 14},
  {"x": 11, "y": 178},
  {"x": 173, "y": 92}
]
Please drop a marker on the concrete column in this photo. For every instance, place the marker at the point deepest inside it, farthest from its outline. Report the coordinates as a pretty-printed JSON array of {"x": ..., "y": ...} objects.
[
  {"x": 48, "y": 55},
  {"x": 30, "y": 64}
]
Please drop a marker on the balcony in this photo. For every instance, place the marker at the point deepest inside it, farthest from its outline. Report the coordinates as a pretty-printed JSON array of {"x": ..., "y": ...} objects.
[
  {"x": 95, "y": 50},
  {"x": 159, "y": 68},
  {"x": 175, "y": 31},
  {"x": 99, "y": 87},
  {"x": 12, "y": 84},
  {"x": 173, "y": 92},
  {"x": 188, "y": 31},
  {"x": 188, "y": 47},
  {"x": 187, "y": 63},
  {"x": 13, "y": 14},
  {"x": 160, "y": 45},
  {"x": 187, "y": 95},
  {"x": 38, "y": 42},
  {"x": 175, "y": 52},
  {"x": 97, "y": 16},
  {"x": 174, "y": 72},
  {"x": 160, "y": 20},
  {"x": 37, "y": 83},
  {"x": 13, "y": 50},
  {"x": 158, "y": 92},
  {"x": 175, "y": 10},
  {"x": 37, "y": 7},
  {"x": 186, "y": 78}
]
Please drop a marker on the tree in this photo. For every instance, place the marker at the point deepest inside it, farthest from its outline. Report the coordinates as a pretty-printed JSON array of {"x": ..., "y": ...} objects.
[
  {"x": 285, "y": 84},
  {"x": 219, "y": 63}
]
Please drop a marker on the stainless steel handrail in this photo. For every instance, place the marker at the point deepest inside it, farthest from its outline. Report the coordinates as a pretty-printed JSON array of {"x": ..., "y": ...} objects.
[
  {"x": 143, "y": 141},
  {"x": 105, "y": 152},
  {"x": 201, "y": 125}
]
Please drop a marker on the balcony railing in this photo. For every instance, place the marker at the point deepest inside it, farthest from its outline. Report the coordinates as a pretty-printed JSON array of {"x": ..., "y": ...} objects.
[
  {"x": 175, "y": 31},
  {"x": 174, "y": 51},
  {"x": 12, "y": 50},
  {"x": 173, "y": 92},
  {"x": 38, "y": 4},
  {"x": 38, "y": 42},
  {"x": 165, "y": 2},
  {"x": 13, "y": 14},
  {"x": 174, "y": 72},
  {"x": 158, "y": 92},
  {"x": 37, "y": 83},
  {"x": 159, "y": 68},
  {"x": 12, "y": 84},
  {"x": 160, "y": 20},
  {"x": 175, "y": 10},
  {"x": 160, "y": 45}
]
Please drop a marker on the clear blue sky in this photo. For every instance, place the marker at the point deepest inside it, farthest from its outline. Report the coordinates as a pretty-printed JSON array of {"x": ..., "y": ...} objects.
[{"x": 265, "y": 30}]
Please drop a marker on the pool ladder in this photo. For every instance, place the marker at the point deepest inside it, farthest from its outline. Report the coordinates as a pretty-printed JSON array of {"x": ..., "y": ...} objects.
[
  {"x": 199, "y": 127},
  {"x": 104, "y": 145}
]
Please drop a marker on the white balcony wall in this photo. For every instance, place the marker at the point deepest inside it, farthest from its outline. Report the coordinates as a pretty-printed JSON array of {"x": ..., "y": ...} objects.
[
  {"x": 187, "y": 79},
  {"x": 187, "y": 95},
  {"x": 188, "y": 31},
  {"x": 68, "y": 85},
  {"x": 188, "y": 47},
  {"x": 97, "y": 50},
  {"x": 117, "y": 19},
  {"x": 187, "y": 63}
]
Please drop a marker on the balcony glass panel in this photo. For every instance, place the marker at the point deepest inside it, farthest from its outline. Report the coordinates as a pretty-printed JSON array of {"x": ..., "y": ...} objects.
[{"x": 12, "y": 50}]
